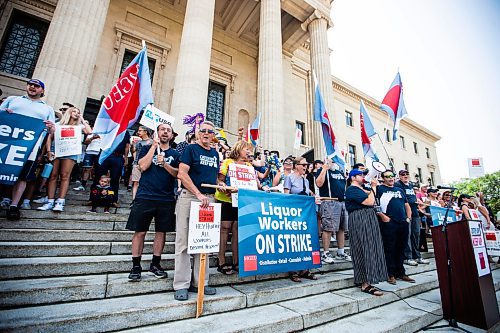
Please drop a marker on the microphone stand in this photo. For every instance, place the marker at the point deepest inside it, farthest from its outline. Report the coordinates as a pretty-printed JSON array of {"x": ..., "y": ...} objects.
[{"x": 452, "y": 322}]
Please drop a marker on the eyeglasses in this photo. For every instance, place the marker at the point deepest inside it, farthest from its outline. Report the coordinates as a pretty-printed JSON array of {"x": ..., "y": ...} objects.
[
  {"x": 34, "y": 85},
  {"x": 209, "y": 131},
  {"x": 303, "y": 164},
  {"x": 389, "y": 177}
]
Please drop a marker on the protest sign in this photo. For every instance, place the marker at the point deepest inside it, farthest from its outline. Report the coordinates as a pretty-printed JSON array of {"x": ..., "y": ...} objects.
[
  {"x": 20, "y": 136},
  {"x": 493, "y": 242},
  {"x": 298, "y": 138},
  {"x": 241, "y": 176},
  {"x": 67, "y": 140},
  {"x": 204, "y": 228},
  {"x": 478, "y": 243},
  {"x": 153, "y": 117},
  {"x": 438, "y": 214},
  {"x": 276, "y": 233}
]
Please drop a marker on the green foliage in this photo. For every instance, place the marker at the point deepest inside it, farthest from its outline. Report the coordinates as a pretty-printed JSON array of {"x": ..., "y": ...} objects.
[{"x": 488, "y": 184}]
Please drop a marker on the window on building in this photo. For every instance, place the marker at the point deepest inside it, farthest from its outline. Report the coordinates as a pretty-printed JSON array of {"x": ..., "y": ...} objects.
[
  {"x": 402, "y": 140},
  {"x": 215, "y": 103},
  {"x": 419, "y": 171},
  {"x": 22, "y": 44},
  {"x": 415, "y": 147},
  {"x": 352, "y": 155},
  {"x": 129, "y": 56},
  {"x": 387, "y": 135},
  {"x": 406, "y": 167},
  {"x": 301, "y": 127},
  {"x": 348, "y": 119},
  {"x": 432, "y": 178},
  {"x": 427, "y": 153}
]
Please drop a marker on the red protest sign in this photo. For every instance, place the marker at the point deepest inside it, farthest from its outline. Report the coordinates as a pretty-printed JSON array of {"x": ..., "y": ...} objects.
[{"x": 207, "y": 214}]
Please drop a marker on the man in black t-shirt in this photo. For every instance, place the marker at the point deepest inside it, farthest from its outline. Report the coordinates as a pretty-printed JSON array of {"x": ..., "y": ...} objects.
[
  {"x": 394, "y": 220},
  {"x": 331, "y": 183},
  {"x": 412, "y": 253},
  {"x": 199, "y": 164},
  {"x": 155, "y": 198}
]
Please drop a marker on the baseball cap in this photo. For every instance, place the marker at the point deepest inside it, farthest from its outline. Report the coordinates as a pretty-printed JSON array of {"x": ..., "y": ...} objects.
[
  {"x": 355, "y": 172},
  {"x": 37, "y": 82},
  {"x": 432, "y": 190},
  {"x": 403, "y": 171}
]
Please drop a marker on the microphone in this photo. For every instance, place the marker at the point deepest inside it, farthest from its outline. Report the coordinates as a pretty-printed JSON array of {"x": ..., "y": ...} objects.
[{"x": 446, "y": 188}]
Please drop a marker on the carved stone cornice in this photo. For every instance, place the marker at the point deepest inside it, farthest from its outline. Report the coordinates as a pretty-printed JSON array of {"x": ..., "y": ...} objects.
[
  {"x": 316, "y": 15},
  {"x": 223, "y": 75}
]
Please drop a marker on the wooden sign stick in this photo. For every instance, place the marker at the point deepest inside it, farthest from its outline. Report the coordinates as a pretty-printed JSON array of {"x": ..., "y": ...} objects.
[
  {"x": 230, "y": 188},
  {"x": 201, "y": 285},
  {"x": 328, "y": 199}
]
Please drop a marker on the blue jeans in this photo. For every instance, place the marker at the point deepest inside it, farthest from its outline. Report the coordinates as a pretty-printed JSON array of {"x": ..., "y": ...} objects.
[{"x": 113, "y": 164}]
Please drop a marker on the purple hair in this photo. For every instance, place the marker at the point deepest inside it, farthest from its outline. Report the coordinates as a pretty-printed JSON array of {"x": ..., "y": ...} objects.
[{"x": 191, "y": 120}]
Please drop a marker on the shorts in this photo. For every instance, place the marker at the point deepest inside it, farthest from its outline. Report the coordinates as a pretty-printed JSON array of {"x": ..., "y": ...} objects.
[
  {"x": 28, "y": 172},
  {"x": 228, "y": 212},
  {"x": 89, "y": 160},
  {"x": 333, "y": 216},
  {"x": 143, "y": 211},
  {"x": 136, "y": 173},
  {"x": 70, "y": 157}
]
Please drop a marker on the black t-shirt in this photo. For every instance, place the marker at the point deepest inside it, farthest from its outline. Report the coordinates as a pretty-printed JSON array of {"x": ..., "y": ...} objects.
[
  {"x": 203, "y": 166},
  {"x": 120, "y": 149},
  {"x": 392, "y": 202},
  {"x": 156, "y": 183},
  {"x": 337, "y": 182},
  {"x": 310, "y": 177},
  {"x": 354, "y": 196},
  {"x": 410, "y": 196}
]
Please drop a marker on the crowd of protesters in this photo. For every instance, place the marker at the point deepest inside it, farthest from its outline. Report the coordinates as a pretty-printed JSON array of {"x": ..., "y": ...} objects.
[{"x": 387, "y": 218}]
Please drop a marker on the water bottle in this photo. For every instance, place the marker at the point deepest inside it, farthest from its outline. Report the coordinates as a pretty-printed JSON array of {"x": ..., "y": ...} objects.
[{"x": 47, "y": 170}]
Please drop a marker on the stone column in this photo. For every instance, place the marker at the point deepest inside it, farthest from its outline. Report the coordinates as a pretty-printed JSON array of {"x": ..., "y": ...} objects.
[
  {"x": 68, "y": 55},
  {"x": 270, "y": 100},
  {"x": 320, "y": 64},
  {"x": 193, "y": 66}
]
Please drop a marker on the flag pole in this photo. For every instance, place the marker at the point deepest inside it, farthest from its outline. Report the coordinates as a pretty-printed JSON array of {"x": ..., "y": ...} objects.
[{"x": 383, "y": 146}]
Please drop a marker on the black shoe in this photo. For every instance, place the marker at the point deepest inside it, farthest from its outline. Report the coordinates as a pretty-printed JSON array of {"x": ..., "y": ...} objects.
[
  {"x": 13, "y": 213},
  {"x": 157, "y": 271},
  {"x": 207, "y": 290},
  {"x": 135, "y": 274}
]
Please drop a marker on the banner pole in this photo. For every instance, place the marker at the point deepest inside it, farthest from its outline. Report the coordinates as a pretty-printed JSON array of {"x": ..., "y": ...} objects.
[
  {"x": 201, "y": 285},
  {"x": 383, "y": 146}
]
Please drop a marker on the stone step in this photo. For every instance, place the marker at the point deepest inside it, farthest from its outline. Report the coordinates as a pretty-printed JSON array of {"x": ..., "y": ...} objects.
[
  {"x": 125, "y": 312},
  {"x": 124, "y": 197},
  {"x": 84, "y": 216},
  {"x": 72, "y": 288},
  {"x": 26, "y": 235},
  {"x": 81, "y": 208}
]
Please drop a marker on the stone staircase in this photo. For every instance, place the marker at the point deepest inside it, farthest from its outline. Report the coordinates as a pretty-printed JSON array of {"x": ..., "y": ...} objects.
[{"x": 67, "y": 272}]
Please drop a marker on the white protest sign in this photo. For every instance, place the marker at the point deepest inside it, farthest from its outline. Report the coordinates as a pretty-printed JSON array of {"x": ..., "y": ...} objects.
[
  {"x": 160, "y": 117},
  {"x": 478, "y": 243},
  {"x": 493, "y": 242},
  {"x": 241, "y": 176},
  {"x": 204, "y": 228},
  {"x": 67, "y": 140},
  {"x": 298, "y": 138}
]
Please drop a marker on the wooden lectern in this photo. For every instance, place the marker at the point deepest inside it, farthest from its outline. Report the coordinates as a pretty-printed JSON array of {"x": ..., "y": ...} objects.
[{"x": 474, "y": 299}]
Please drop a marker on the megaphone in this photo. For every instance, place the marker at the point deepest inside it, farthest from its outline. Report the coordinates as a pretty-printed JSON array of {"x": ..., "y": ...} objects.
[{"x": 375, "y": 170}]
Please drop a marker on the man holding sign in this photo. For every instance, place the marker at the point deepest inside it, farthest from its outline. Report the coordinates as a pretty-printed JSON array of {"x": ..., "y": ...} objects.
[{"x": 199, "y": 164}]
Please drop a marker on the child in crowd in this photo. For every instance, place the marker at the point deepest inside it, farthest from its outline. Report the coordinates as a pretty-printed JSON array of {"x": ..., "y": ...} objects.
[{"x": 101, "y": 195}]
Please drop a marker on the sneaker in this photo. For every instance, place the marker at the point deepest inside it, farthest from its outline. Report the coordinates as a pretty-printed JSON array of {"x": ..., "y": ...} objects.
[
  {"x": 79, "y": 188},
  {"x": 93, "y": 210},
  {"x": 5, "y": 204},
  {"x": 135, "y": 274},
  {"x": 42, "y": 200},
  {"x": 13, "y": 213},
  {"x": 423, "y": 261},
  {"x": 25, "y": 206},
  {"x": 327, "y": 258},
  {"x": 106, "y": 210},
  {"x": 343, "y": 256},
  {"x": 58, "y": 206},
  {"x": 157, "y": 271},
  {"x": 207, "y": 290},
  {"x": 47, "y": 206},
  {"x": 410, "y": 262}
]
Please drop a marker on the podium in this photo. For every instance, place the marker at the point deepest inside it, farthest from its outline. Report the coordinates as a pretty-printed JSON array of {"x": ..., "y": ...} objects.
[{"x": 473, "y": 292}]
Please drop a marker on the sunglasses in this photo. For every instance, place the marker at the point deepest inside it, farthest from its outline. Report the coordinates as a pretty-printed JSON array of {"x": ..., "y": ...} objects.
[
  {"x": 209, "y": 131},
  {"x": 405, "y": 174},
  {"x": 303, "y": 164},
  {"x": 389, "y": 177}
]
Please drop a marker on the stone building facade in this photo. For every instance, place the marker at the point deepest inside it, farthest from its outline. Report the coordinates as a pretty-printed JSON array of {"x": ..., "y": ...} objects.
[{"x": 231, "y": 59}]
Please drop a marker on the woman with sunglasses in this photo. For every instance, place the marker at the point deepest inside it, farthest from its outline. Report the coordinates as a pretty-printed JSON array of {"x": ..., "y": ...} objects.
[
  {"x": 367, "y": 250},
  {"x": 296, "y": 183}
]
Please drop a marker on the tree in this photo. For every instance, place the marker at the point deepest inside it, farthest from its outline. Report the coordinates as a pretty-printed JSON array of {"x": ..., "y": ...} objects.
[{"x": 488, "y": 184}]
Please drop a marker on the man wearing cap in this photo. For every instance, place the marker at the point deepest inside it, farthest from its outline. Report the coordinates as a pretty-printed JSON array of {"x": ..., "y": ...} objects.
[
  {"x": 394, "y": 218},
  {"x": 331, "y": 183},
  {"x": 155, "y": 198},
  {"x": 412, "y": 254},
  {"x": 29, "y": 105}
]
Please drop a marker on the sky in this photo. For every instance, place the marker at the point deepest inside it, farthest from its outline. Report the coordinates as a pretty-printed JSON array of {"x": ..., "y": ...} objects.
[{"x": 448, "y": 55}]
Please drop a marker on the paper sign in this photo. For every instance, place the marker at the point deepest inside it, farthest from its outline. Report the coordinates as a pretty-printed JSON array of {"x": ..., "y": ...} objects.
[
  {"x": 160, "y": 117},
  {"x": 67, "y": 140},
  {"x": 479, "y": 245},
  {"x": 493, "y": 242},
  {"x": 241, "y": 176},
  {"x": 298, "y": 138},
  {"x": 204, "y": 228}
]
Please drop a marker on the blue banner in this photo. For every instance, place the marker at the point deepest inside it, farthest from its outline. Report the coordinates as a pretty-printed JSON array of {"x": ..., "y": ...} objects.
[
  {"x": 438, "y": 214},
  {"x": 18, "y": 136},
  {"x": 276, "y": 233}
]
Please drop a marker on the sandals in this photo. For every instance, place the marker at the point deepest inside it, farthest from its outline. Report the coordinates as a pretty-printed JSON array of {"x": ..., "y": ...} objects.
[
  {"x": 308, "y": 275},
  {"x": 181, "y": 295},
  {"x": 372, "y": 291},
  {"x": 235, "y": 268},
  {"x": 295, "y": 277},
  {"x": 225, "y": 269}
]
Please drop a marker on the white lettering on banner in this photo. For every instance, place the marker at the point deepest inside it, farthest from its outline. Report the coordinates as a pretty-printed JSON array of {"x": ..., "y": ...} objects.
[
  {"x": 287, "y": 243},
  {"x": 118, "y": 90},
  {"x": 6, "y": 130},
  {"x": 208, "y": 161}
]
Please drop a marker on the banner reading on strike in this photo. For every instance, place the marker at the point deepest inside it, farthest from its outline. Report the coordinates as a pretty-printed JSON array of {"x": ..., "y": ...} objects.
[
  {"x": 276, "y": 233},
  {"x": 438, "y": 214},
  {"x": 19, "y": 135}
]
